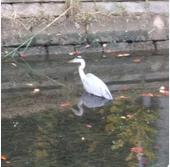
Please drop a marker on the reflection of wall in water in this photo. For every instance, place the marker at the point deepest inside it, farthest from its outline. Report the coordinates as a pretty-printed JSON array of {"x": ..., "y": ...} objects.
[{"x": 148, "y": 101}]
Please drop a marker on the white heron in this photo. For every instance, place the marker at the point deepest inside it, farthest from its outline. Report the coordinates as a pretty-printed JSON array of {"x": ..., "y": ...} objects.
[{"x": 92, "y": 84}]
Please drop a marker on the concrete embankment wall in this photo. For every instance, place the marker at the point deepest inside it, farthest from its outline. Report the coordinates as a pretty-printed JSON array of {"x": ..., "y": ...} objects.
[
  {"x": 130, "y": 25},
  {"x": 89, "y": 27}
]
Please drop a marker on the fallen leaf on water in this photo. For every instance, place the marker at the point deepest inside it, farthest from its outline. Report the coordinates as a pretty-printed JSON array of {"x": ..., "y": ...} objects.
[
  {"x": 137, "y": 149},
  {"x": 22, "y": 55},
  {"x": 88, "y": 126},
  {"x": 123, "y": 117},
  {"x": 76, "y": 53},
  {"x": 124, "y": 97},
  {"x": 123, "y": 55},
  {"x": 166, "y": 93},
  {"x": 130, "y": 116},
  {"x": 87, "y": 46},
  {"x": 36, "y": 90},
  {"x": 14, "y": 64},
  {"x": 136, "y": 60},
  {"x": 163, "y": 90},
  {"x": 147, "y": 94},
  {"x": 157, "y": 94},
  {"x": 71, "y": 53},
  {"x": 29, "y": 84},
  {"x": 3, "y": 157},
  {"x": 8, "y": 162},
  {"x": 15, "y": 123},
  {"x": 104, "y": 55},
  {"x": 65, "y": 104},
  {"x": 108, "y": 51}
]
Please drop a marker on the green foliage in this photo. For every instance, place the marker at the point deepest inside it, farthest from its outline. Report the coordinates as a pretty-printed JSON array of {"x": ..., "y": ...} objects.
[{"x": 131, "y": 124}]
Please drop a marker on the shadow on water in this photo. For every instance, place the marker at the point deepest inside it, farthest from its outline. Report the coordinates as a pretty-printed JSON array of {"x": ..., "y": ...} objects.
[{"x": 114, "y": 134}]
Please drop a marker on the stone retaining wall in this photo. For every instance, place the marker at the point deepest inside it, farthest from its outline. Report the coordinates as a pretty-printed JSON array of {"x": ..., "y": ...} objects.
[{"x": 122, "y": 25}]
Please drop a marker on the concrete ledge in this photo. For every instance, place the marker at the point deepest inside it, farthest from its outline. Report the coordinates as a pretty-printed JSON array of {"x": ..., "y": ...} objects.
[
  {"x": 64, "y": 32},
  {"x": 124, "y": 29},
  {"x": 162, "y": 45},
  {"x": 37, "y": 9},
  {"x": 6, "y": 50},
  {"x": 6, "y": 10},
  {"x": 31, "y": 10},
  {"x": 34, "y": 53},
  {"x": 14, "y": 32},
  {"x": 86, "y": 49},
  {"x": 118, "y": 67},
  {"x": 39, "y": 53},
  {"x": 114, "y": 47},
  {"x": 31, "y": 1},
  {"x": 59, "y": 39},
  {"x": 154, "y": 27},
  {"x": 47, "y": 84},
  {"x": 54, "y": 51},
  {"x": 119, "y": 36},
  {"x": 126, "y": 7}
]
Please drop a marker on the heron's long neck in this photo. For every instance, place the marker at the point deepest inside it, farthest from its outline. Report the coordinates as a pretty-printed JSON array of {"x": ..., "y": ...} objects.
[
  {"x": 80, "y": 110},
  {"x": 81, "y": 70}
]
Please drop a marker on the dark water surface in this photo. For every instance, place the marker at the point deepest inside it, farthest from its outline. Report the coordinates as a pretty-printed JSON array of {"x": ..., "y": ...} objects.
[
  {"x": 63, "y": 127},
  {"x": 125, "y": 132}
]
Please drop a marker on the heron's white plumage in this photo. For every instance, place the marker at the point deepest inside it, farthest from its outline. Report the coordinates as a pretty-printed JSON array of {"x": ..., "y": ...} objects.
[
  {"x": 96, "y": 86},
  {"x": 92, "y": 84}
]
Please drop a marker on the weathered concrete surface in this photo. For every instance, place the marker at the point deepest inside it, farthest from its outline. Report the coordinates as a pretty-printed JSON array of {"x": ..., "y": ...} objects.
[
  {"x": 87, "y": 49},
  {"x": 63, "y": 32},
  {"x": 32, "y": 1},
  {"x": 96, "y": 22},
  {"x": 26, "y": 9},
  {"x": 14, "y": 32},
  {"x": 54, "y": 51},
  {"x": 123, "y": 46},
  {"x": 37, "y": 53},
  {"x": 113, "y": 69},
  {"x": 135, "y": 27},
  {"x": 126, "y": 7},
  {"x": 121, "y": 32},
  {"x": 31, "y": 9},
  {"x": 162, "y": 45}
]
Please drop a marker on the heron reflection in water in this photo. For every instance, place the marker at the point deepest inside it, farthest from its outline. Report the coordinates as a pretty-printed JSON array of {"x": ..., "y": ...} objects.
[
  {"x": 89, "y": 101},
  {"x": 91, "y": 83}
]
